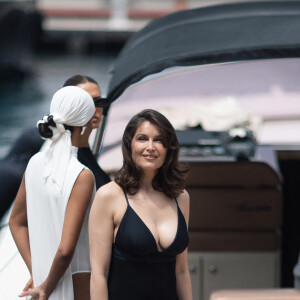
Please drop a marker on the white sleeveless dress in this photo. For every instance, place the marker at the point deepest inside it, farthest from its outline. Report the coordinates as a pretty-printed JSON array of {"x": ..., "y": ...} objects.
[{"x": 46, "y": 207}]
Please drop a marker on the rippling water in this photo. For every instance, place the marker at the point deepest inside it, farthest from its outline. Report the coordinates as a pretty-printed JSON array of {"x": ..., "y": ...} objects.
[{"x": 23, "y": 103}]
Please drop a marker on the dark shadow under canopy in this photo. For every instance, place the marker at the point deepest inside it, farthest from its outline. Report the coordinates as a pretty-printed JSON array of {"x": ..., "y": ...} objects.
[{"x": 217, "y": 34}]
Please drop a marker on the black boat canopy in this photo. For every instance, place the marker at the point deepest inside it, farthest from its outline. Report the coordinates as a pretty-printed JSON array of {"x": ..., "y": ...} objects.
[{"x": 217, "y": 34}]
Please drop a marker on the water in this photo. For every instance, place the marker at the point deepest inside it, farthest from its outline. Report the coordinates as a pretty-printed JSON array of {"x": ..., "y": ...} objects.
[{"x": 22, "y": 104}]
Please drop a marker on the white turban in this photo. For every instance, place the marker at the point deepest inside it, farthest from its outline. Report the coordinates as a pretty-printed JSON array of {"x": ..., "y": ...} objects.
[{"x": 71, "y": 106}]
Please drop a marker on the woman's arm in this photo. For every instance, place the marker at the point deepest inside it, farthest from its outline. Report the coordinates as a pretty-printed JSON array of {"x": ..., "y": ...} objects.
[
  {"x": 75, "y": 212},
  {"x": 183, "y": 278},
  {"x": 18, "y": 224},
  {"x": 101, "y": 231}
]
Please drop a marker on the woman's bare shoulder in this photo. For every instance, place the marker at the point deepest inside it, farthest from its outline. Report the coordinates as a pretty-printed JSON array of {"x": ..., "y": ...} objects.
[
  {"x": 107, "y": 198},
  {"x": 110, "y": 190},
  {"x": 184, "y": 197},
  {"x": 85, "y": 174},
  {"x": 184, "y": 203},
  {"x": 84, "y": 179}
]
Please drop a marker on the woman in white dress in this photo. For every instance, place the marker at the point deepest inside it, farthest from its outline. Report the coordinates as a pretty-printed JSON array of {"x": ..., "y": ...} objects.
[{"x": 49, "y": 216}]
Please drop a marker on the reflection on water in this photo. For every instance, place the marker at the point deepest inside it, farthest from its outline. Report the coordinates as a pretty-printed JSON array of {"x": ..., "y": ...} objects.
[{"x": 22, "y": 104}]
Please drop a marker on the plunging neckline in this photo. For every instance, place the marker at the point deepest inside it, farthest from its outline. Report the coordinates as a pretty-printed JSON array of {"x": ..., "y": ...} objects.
[{"x": 147, "y": 228}]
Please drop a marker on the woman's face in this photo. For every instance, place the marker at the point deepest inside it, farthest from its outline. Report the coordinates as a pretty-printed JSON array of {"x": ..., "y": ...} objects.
[
  {"x": 94, "y": 90},
  {"x": 147, "y": 149}
]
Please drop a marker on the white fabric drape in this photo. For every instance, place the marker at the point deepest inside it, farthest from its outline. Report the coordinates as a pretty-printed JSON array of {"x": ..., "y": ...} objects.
[
  {"x": 46, "y": 207},
  {"x": 47, "y": 200},
  {"x": 71, "y": 106}
]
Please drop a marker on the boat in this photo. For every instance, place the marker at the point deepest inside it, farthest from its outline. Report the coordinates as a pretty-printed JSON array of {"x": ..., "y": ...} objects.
[
  {"x": 236, "y": 63},
  {"x": 219, "y": 68}
]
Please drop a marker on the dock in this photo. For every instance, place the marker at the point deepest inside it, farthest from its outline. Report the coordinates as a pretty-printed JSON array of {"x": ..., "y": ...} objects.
[{"x": 106, "y": 21}]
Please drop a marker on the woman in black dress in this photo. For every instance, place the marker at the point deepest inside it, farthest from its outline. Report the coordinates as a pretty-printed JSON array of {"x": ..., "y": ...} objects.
[{"x": 138, "y": 223}]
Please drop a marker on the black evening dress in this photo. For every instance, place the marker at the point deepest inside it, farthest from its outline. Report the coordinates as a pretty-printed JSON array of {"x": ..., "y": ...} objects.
[{"x": 138, "y": 270}]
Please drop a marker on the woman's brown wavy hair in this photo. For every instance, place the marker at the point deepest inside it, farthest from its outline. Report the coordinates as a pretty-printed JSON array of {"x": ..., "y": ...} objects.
[{"x": 170, "y": 177}]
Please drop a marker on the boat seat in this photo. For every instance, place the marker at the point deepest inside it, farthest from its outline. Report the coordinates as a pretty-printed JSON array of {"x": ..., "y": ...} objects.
[
  {"x": 256, "y": 294},
  {"x": 235, "y": 206}
]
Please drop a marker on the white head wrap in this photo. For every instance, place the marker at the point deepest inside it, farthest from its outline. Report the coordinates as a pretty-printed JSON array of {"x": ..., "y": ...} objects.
[{"x": 71, "y": 106}]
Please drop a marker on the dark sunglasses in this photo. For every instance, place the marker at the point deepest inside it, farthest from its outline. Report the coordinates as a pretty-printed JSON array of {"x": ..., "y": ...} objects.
[{"x": 101, "y": 102}]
